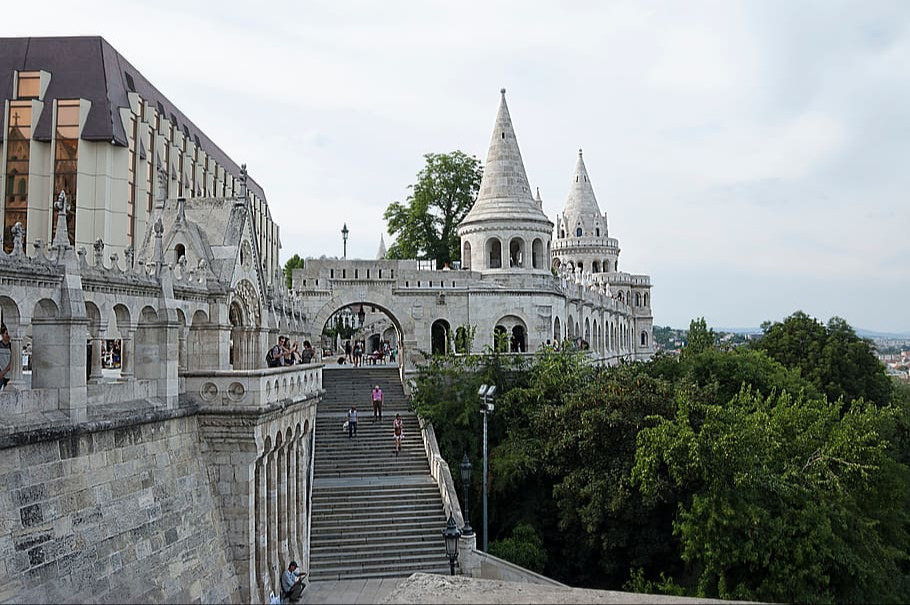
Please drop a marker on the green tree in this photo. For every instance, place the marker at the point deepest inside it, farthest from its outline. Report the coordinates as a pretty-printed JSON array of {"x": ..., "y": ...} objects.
[
  {"x": 833, "y": 358},
  {"x": 425, "y": 227},
  {"x": 791, "y": 500},
  {"x": 295, "y": 262},
  {"x": 524, "y": 547},
  {"x": 700, "y": 338}
]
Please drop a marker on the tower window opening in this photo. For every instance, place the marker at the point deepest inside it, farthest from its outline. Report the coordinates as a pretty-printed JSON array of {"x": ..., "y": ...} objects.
[{"x": 503, "y": 135}]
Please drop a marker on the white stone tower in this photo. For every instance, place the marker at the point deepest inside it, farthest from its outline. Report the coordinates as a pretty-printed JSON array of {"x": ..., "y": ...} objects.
[
  {"x": 582, "y": 239},
  {"x": 506, "y": 230}
]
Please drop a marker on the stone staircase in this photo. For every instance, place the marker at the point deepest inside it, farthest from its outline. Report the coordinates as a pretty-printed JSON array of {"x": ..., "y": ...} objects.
[{"x": 374, "y": 514}]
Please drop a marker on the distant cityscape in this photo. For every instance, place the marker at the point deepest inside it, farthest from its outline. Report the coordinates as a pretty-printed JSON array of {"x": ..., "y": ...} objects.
[{"x": 893, "y": 350}]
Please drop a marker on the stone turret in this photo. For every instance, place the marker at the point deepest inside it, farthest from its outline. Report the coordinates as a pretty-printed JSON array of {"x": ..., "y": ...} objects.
[
  {"x": 506, "y": 229},
  {"x": 582, "y": 239},
  {"x": 380, "y": 254}
]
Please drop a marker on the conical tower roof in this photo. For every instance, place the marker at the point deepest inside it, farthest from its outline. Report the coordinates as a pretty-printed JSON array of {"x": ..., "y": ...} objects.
[
  {"x": 382, "y": 251},
  {"x": 504, "y": 189},
  {"x": 581, "y": 201}
]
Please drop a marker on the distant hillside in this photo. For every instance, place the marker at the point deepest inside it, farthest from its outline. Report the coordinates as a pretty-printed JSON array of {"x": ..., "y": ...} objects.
[{"x": 862, "y": 333}]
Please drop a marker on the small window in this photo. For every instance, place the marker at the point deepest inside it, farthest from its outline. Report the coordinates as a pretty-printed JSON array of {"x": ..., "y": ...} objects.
[
  {"x": 597, "y": 232},
  {"x": 180, "y": 251},
  {"x": 578, "y": 232},
  {"x": 130, "y": 85},
  {"x": 503, "y": 135},
  {"x": 29, "y": 85}
]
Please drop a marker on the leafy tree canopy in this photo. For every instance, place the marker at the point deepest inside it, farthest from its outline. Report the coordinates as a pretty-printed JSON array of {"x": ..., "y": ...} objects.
[
  {"x": 425, "y": 227},
  {"x": 295, "y": 262}
]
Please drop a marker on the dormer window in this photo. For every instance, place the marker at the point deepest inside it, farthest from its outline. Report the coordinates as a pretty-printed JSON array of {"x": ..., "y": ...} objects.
[
  {"x": 578, "y": 232},
  {"x": 597, "y": 231},
  {"x": 29, "y": 85}
]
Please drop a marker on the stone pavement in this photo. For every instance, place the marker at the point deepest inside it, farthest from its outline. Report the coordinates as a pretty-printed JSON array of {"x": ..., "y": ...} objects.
[{"x": 350, "y": 591}]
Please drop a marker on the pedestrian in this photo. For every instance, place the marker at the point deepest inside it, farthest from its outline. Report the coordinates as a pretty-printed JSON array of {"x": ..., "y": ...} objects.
[
  {"x": 292, "y": 583},
  {"x": 398, "y": 430},
  {"x": 6, "y": 356},
  {"x": 347, "y": 351},
  {"x": 352, "y": 422},
  {"x": 376, "y": 397}
]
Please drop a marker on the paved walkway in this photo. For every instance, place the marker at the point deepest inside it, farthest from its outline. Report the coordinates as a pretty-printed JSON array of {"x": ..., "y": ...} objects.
[{"x": 350, "y": 591}]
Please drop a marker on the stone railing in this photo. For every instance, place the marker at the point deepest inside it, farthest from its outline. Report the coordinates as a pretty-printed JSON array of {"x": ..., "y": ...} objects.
[{"x": 254, "y": 388}]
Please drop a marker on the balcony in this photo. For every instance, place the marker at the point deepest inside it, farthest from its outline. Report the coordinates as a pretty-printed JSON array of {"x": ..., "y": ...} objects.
[{"x": 253, "y": 389}]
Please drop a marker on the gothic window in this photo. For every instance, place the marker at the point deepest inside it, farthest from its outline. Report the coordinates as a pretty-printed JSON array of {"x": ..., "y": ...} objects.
[
  {"x": 597, "y": 231},
  {"x": 578, "y": 232}
]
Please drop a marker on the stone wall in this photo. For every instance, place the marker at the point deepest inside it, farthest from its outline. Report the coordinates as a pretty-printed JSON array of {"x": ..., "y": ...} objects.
[{"x": 120, "y": 515}]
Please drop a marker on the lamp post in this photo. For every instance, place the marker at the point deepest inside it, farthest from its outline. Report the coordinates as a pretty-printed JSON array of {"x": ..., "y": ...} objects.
[
  {"x": 465, "y": 466},
  {"x": 344, "y": 236},
  {"x": 451, "y": 535},
  {"x": 486, "y": 407},
  {"x": 361, "y": 315}
]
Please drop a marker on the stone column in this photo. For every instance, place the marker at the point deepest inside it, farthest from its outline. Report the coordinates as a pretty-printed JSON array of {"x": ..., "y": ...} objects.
[
  {"x": 293, "y": 549},
  {"x": 181, "y": 347},
  {"x": 303, "y": 494},
  {"x": 272, "y": 519},
  {"x": 16, "y": 380},
  {"x": 127, "y": 350},
  {"x": 283, "y": 505},
  {"x": 261, "y": 572},
  {"x": 96, "y": 374}
]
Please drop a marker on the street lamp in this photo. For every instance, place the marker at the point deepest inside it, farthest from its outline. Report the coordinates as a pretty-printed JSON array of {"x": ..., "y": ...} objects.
[
  {"x": 465, "y": 465},
  {"x": 451, "y": 535},
  {"x": 486, "y": 407},
  {"x": 344, "y": 236},
  {"x": 361, "y": 315}
]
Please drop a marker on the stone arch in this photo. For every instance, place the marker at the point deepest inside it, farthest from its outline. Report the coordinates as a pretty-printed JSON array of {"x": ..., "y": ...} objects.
[
  {"x": 516, "y": 252},
  {"x": 121, "y": 352},
  {"x": 570, "y": 328},
  {"x": 95, "y": 345},
  {"x": 10, "y": 319},
  {"x": 388, "y": 305},
  {"x": 638, "y": 299},
  {"x": 647, "y": 299},
  {"x": 557, "y": 331},
  {"x": 494, "y": 253},
  {"x": 181, "y": 341},
  {"x": 466, "y": 256},
  {"x": 595, "y": 340},
  {"x": 644, "y": 338},
  {"x": 519, "y": 340},
  {"x": 556, "y": 263},
  {"x": 439, "y": 337},
  {"x": 537, "y": 254},
  {"x": 587, "y": 330},
  {"x": 595, "y": 267},
  {"x": 237, "y": 317},
  {"x": 461, "y": 340}
]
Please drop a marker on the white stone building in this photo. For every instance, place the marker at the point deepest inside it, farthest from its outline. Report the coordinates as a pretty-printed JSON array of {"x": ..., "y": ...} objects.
[{"x": 506, "y": 282}]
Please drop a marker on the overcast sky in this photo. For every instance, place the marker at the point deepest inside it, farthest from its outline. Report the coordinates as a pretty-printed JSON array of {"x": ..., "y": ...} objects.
[{"x": 752, "y": 157}]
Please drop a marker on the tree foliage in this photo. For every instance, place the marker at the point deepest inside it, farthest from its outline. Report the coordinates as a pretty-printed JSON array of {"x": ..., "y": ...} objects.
[
  {"x": 716, "y": 473},
  {"x": 295, "y": 262},
  {"x": 833, "y": 358},
  {"x": 425, "y": 227}
]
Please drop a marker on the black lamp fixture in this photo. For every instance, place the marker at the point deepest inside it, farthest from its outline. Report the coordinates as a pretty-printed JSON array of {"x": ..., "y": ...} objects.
[
  {"x": 465, "y": 466},
  {"x": 344, "y": 236},
  {"x": 361, "y": 314},
  {"x": 451, "y": 535}
]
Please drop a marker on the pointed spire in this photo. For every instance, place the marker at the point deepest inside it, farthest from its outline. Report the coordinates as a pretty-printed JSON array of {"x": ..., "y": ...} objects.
[
  {"x": 61, "y": 235},
  {"x": 581, "y": 201},
  {"x": 504, "y": 189},
  {"x": 382, "y": 251}
]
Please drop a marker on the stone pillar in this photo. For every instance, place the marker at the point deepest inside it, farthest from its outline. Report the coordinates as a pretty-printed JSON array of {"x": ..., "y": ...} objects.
[
  {"x": 303, "y": 497},
  {"x": 261, "y": 570},
  {"x": 127, "y": 350},
  {"x": 293, "y": 547},
  {"x": 283, "y": 505},
  {"x": 96, "y": 374},
  {"x": 16, "y": 380},
  {"x": 181, "y": 359},
  {"x": 272, "y": 520}
]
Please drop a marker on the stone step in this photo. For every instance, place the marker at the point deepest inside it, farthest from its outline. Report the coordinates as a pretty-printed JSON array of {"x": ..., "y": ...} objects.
[
  {"x": 400, "y": 570},
  {"x": 342, "y": 499},
  {"x": 403, "y": 539},
  {"x": 330, "y": 529},
  {"x": 400, "y": 511}
]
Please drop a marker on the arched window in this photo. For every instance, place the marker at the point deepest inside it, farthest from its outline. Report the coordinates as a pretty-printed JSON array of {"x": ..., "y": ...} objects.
[
  {"x": 516, "y": 252},
  {"x": 500, "y": 339},
  {"x": 557, "y": 332},
  {"x": 597, "y": 231},
  {"x": 647, "y": 300},
  {"x": 439, "y": 337},
  {"x": 466, "y": 256},
  {"x": 179, "y": 251},
  {"x": 494, "y": 253},
  {"x": 537, "y": 254},
  {"x": 562, "y": 233},
  {"x": 595, "y": 267},
  {"x": 461, "y": 340},
  {"x": 644, "y": 339},
  {"x": 637, "y": 299},
  {"x": 578, "y": 232},
  {"x": 517, "y": 343}
]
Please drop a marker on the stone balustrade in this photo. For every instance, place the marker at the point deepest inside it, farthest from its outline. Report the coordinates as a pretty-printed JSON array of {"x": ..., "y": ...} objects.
[{"x": 254, "y": 388}]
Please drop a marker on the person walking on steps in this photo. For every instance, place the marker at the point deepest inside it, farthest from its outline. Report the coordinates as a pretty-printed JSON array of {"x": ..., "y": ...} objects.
[
  {"x": 352, "y": 422},
  {"x": 398, "y": 430},
  {"x": 292, "y": 583},
  {"x": 376, "y": 397}
]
